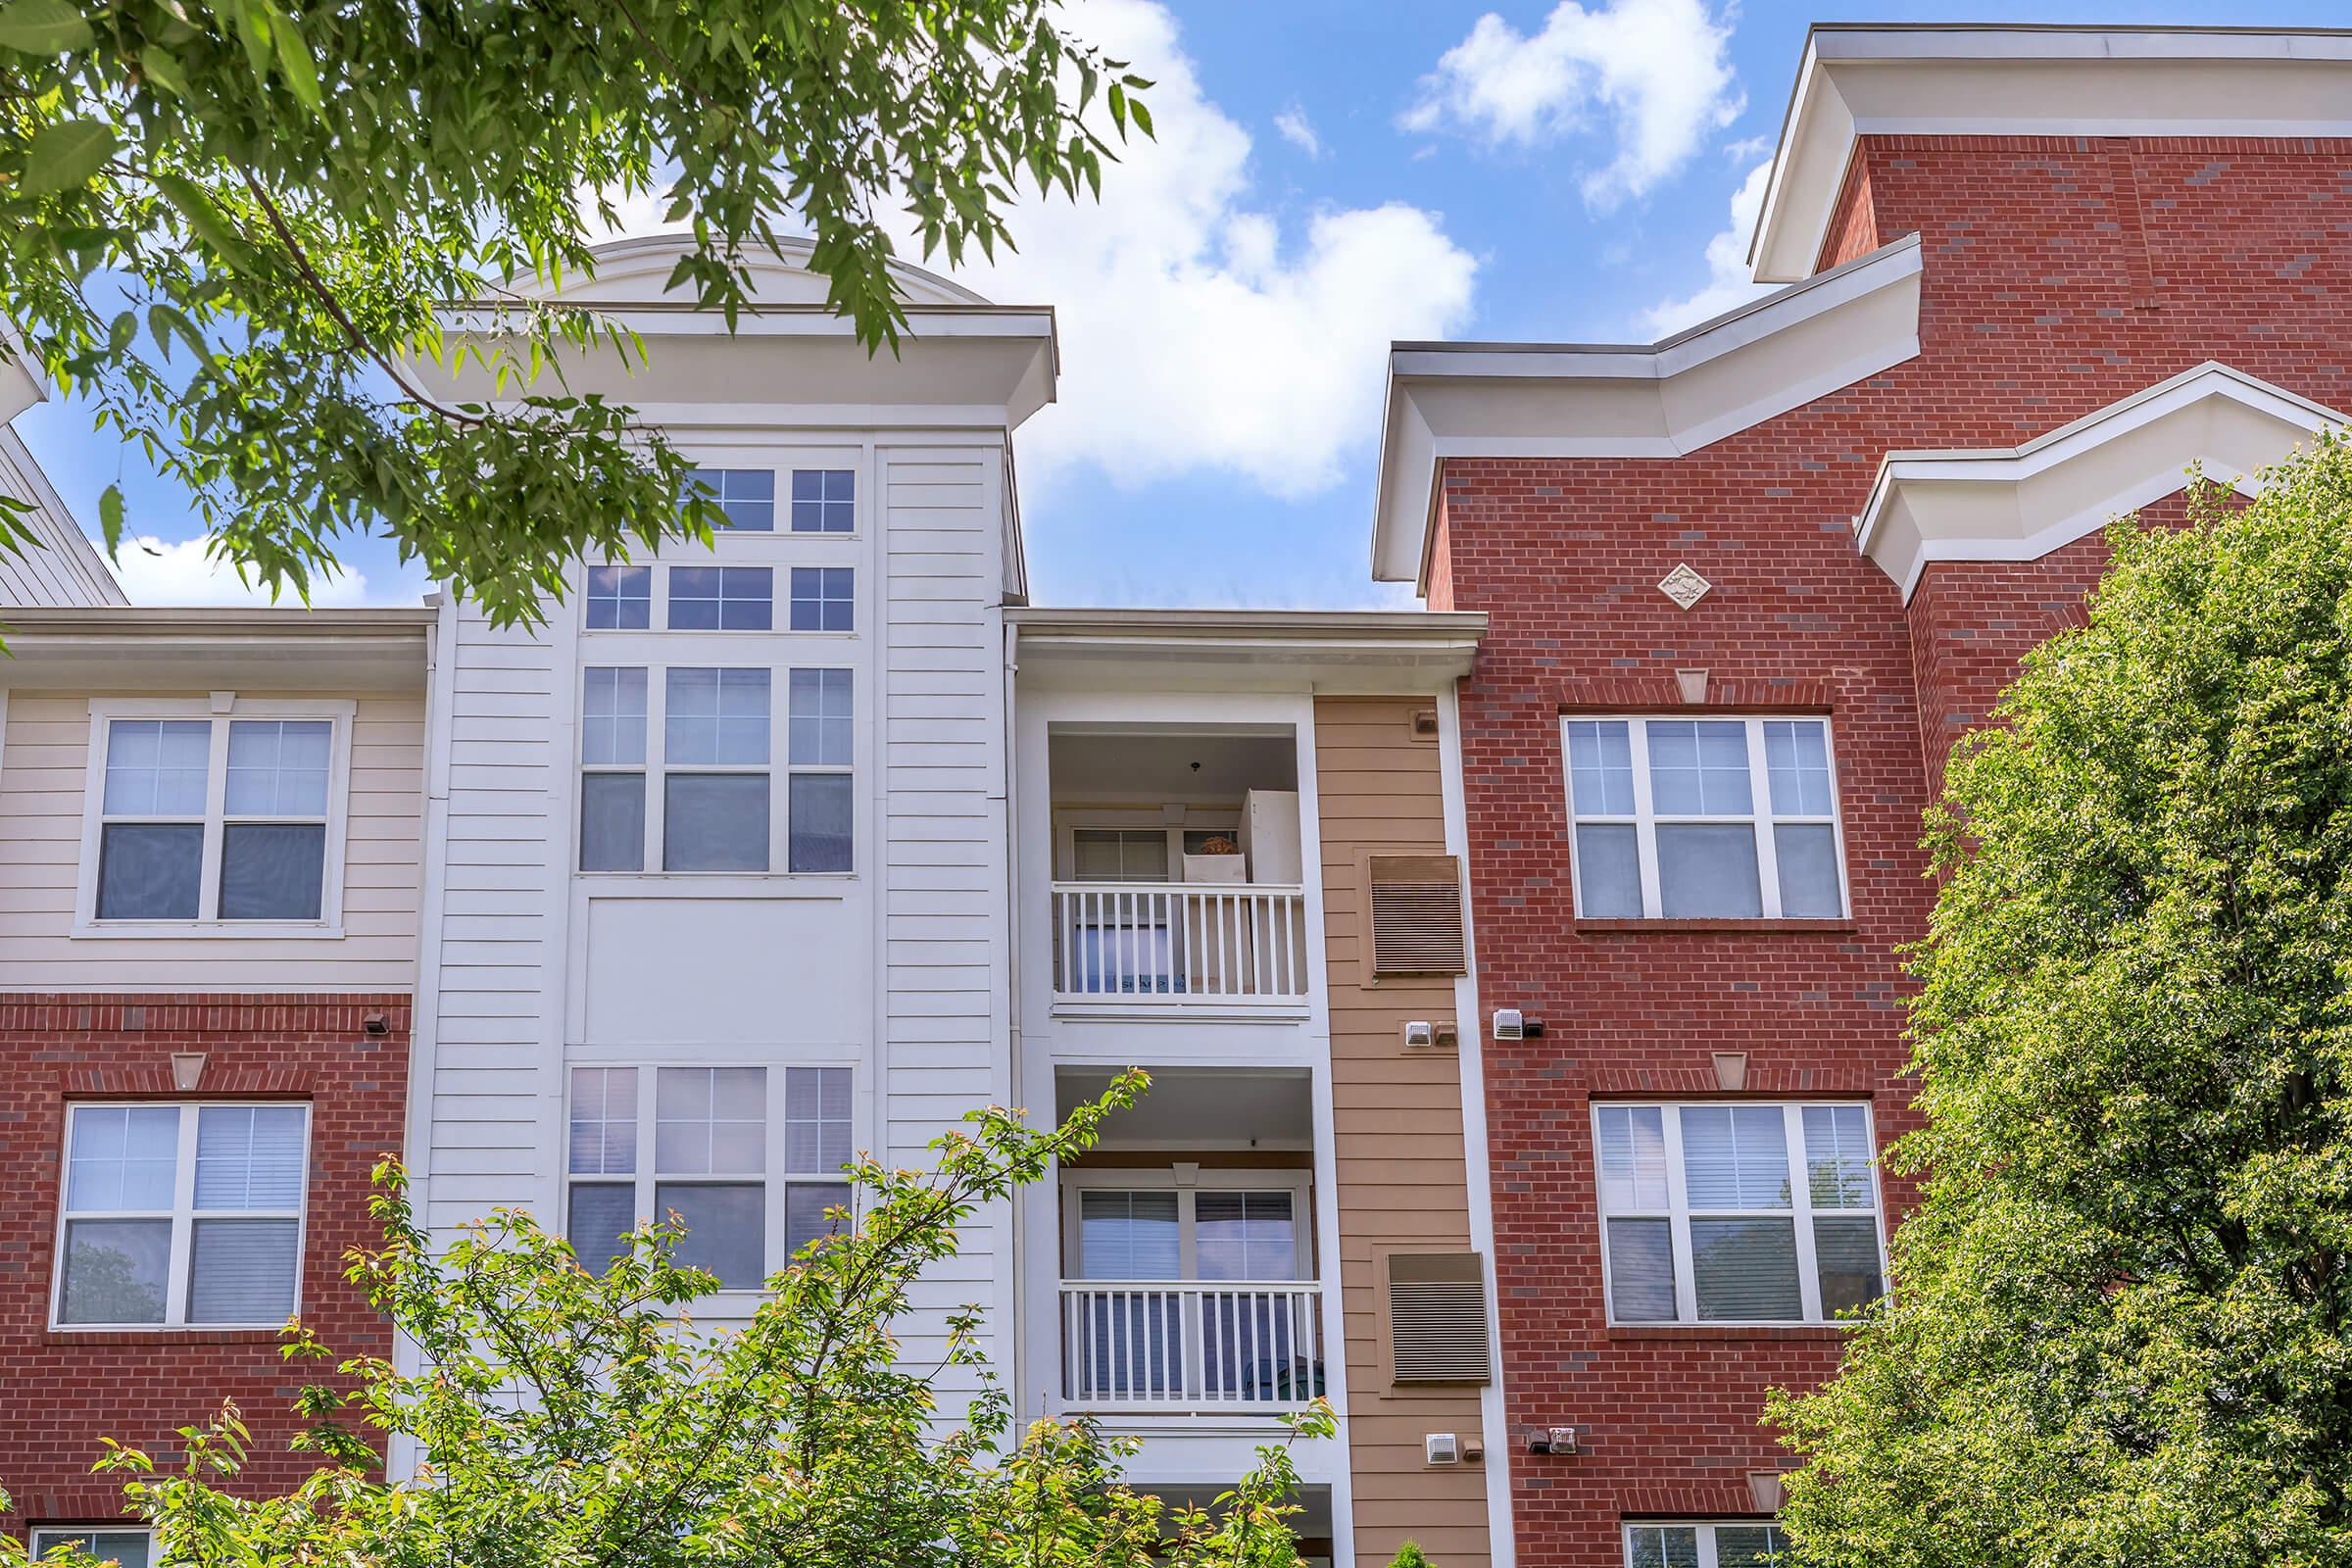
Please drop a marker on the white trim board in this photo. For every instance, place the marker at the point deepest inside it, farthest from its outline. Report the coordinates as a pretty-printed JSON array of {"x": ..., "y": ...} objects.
[
  {"x": 2021, "y": 503},
  {"x": 1662, "y": 400},
  {"x": 1992, "y": 81}
]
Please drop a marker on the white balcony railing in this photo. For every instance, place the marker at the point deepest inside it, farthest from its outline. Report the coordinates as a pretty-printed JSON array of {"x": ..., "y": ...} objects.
[
  {"x": 1191, "y": 1346},
  {"x": 1172, "y": 942}
]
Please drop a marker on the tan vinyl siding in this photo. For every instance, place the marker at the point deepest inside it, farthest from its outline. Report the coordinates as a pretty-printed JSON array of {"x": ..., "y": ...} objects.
[
  {"x": 44, "y": 772},
  {"x": 1398, "y": 1122}
]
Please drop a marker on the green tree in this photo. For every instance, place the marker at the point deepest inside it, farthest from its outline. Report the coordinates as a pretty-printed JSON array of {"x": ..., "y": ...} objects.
[
  {"x": 2117, "y": 1332},
  {"x": 1409, "y": 1555},
  {"x": 563, "y": 1417},
  {"x": 231, "y": 225}
]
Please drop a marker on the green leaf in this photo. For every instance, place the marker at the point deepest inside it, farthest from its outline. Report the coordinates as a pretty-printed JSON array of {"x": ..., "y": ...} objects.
[
  {"x": 294, "y": 62},
  {"x": 163, "y": 71},
  {"x": 1141, "y": 114},
  {"x": 212, "y": 226},
  {"x": 43, "y": 27},
  {"x": 109, "y": 515},
  {"x": 66, "y": 155}
]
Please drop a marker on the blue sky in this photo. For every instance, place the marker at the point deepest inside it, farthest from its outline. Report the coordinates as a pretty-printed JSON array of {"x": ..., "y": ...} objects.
[{"x": 1329, "y": 174}]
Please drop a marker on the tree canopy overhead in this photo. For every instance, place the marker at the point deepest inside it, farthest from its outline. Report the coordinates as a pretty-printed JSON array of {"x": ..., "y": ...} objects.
[
  {"x": 2121, "y": 1325},
  {"x": 229, "y": 224}
]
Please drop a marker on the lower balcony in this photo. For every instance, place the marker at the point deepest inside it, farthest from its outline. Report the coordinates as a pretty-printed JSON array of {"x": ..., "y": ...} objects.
[
  {"x": 1170, "y": 944},
  {"x": 1192, "y": 1347}
]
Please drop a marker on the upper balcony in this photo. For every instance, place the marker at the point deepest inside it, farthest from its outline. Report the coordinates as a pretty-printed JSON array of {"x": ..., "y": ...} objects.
[{"x": 1178, "y": 870}]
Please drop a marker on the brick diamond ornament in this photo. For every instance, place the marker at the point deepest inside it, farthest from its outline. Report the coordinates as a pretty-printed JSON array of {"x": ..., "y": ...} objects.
[{"x": 1683, "y": 586}]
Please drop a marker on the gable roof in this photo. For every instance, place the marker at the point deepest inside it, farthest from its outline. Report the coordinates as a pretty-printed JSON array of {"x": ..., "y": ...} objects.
[
  {"x": 62, "y": 566},
  {"x": 1936, "y": 79},
  {"x": 2021, "y": 503}
]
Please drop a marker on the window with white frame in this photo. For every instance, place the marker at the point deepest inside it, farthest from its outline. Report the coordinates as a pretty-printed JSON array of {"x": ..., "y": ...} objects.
[
  {"x": 1164, "y": 1232},
  {"x": 714, "y": 759},
  {"x": 701, "y": 1144},
  {"x": 1725, "y": 1543},
  {"x": 824, "y": 501},
  {"x": 213, "y": 818},
  {"x": 620, "y": 598},
  {"x": 824, "y": 599},
  {"x": 127, "y": 1546},
  {"x": 1737, "y": 1212},
  {"x": 747, "y": 496},
  {"x": 181, "y": 1215},
  {"x": 1705, "y": 818},
  {"x": 722, "y": 599},
  {"x": 820, "y": 739}
]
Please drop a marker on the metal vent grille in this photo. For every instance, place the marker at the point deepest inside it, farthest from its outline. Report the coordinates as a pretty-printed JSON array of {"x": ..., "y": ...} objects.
[
  {"x": 1416, "y": 915},
  {"x": 1437, "y": 1317}
]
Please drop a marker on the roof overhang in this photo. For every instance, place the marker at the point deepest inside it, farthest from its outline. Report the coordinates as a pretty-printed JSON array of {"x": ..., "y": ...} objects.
[
  {"x": 954, "y": 366},
  {"x": 1992, "y": 81},
  {"x": 1327, "y": 652},
  {"x": 1660, "y": 400},
  {"x": 2021, "y": 503},
  {"x": 133, "y": 649}
]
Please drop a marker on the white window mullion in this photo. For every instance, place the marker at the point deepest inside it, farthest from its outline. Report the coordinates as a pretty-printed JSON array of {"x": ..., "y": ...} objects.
[
  {"x": 183, "y": 1224},
  {"x": 779, "y": 773},
  {"x": 656, "y": 787},
  {"x": 1846, "y": 897},
  {"x": 1706, "y": 1547},
  {"x": 1678, "y": 1204},
  {"x": 1800, "y": 1199},
  {"x": 215, "y": 809},
  {"x": 1760, "y": 797},
  {"x": 1645, "y": 825}
]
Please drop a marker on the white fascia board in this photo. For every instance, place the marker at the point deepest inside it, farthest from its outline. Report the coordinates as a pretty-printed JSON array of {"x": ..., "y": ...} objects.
[
  {"x": 2021, "y": 503},
  {"x": 1663, "y": 400},
  {"x": 2032, "y": 81}
]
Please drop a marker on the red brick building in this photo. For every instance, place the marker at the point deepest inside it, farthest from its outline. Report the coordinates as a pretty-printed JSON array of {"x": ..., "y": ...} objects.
[
  {"x": 1744, "y": 588},
  {"x": 207, "y": 946}
]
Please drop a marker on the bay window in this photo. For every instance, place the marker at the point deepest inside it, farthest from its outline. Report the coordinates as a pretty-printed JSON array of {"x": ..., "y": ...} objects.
[
  {"x": 181, "y": 1215},
  {"x": 693, "y": 1146},
  {"x": 1705, "y": 818},
  {"x": 1737, "y": 1212},
  {"x": 195, "y": 818}
]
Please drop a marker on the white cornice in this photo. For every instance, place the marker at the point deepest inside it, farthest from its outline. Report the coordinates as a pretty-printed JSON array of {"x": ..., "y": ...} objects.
[
  {"x": 1860, "y": 80},
  {"x": 1326, "y": 651},
  {"x": 1661, "y": 400},
  {"x": 2021, "y": 503}
]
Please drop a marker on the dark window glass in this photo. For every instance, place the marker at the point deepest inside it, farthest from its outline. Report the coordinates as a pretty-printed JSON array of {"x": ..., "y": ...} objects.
[
  {"x": 150, "y": 870},
  {"x": 714, "y": 822},
  {"x": 822, "y": 813},
  {"x": 273, "y": 871},
  {"x": 612, "y": 822}
]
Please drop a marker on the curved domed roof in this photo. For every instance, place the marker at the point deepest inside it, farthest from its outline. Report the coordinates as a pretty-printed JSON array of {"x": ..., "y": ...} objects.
[{"x": 636, "y": 272}]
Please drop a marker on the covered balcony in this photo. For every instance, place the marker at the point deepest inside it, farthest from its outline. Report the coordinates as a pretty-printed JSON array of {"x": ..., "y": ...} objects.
[
  {"x": 1189, "y": 1284},
  {"x": 1179, "y": 876}
]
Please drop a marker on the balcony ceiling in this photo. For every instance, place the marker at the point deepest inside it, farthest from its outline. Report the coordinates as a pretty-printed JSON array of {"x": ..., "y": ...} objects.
[
  {"x": 1170, "y": 766},
  {"x": 1202, "y": 1109}
]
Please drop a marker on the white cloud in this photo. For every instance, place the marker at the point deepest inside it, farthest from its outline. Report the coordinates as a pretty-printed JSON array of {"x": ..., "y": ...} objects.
[
  {"x": 1729, "y": 285},
  {"x": 1195, "y": 335},
  {"x": 154, "y": 572},
  {"x": 1298, "y": 130},
  {"x": 1658, "y": 69}
]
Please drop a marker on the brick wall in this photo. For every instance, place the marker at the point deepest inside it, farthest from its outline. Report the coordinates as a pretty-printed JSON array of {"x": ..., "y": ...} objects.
[
  {"x": 65, "y": 1389},
  {"x": 2060, "y": 275}
]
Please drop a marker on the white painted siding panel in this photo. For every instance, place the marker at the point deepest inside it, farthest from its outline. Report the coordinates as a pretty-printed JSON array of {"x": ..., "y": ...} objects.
[{"x": 42, "y": 786}]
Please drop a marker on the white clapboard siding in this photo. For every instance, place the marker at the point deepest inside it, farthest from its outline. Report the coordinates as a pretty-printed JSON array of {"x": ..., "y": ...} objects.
[
  {"x": 496, "y": 1060},
  {"x": 43, "y": 784},
  {"x": 945, "y": 1048}
]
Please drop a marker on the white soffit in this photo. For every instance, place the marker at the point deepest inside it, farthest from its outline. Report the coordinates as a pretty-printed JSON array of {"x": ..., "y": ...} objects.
[
  {"x": 1660, "y": 400},
  {"x": 2021, "y": 503},
  {"x": 1993, "y": 81}
]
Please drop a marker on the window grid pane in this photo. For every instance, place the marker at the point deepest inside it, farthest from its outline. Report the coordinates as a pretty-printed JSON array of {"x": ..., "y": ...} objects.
[
  {"x": 620, "y": 598},
  {"x": 822, "y": 710},
  {"x": 157, "y": 766},
  {"x": 722, "y": 598},
  {"x": 716, "y": 717},
  {"x": 603, "y": 1121},
  {"x": 278, "y": 768},
  {"x": 747, "y": 496},
  {"x": 711, "y": 1122},
  {"x": 824, "y": 599},
  {"x": 612, "y": 717},
  {"x": 824, "y": 501},
  {"x": 818, "y": 1119}
]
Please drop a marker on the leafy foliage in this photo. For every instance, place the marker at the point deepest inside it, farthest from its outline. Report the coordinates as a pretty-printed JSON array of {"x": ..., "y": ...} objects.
[
  {"x": 231, "y": 225},
  {"x": 563, "y": 1417},
  {"x": 1409, "y": 1555},
  {"x": 2119, "y": 1328}
]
